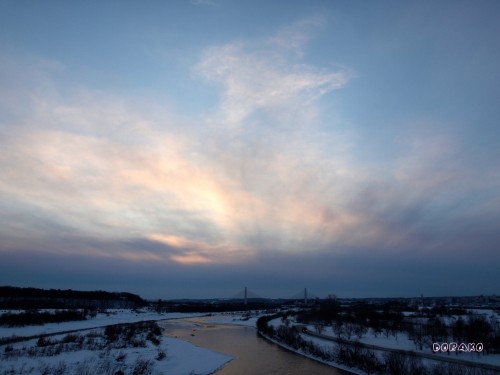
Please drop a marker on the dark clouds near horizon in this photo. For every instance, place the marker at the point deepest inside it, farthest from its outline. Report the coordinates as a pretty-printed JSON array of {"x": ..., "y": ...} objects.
[{"x": 307, "y": 152}]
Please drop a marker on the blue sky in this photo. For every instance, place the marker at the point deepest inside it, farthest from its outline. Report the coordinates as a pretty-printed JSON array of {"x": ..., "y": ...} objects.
[{"x": 190, "y": 148}]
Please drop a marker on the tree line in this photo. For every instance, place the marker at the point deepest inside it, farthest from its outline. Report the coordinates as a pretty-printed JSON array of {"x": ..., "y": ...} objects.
[
  {"x": 354, "y": 355},
  {"x": 424, "y": 327},
  {"x": 35, "y": 298},
  {"x": 36, "y": 318}
]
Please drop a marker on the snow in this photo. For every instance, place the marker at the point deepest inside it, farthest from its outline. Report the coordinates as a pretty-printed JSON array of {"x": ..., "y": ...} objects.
[
  {"x": 181, "y": 357},
  {"x": 234, "y": 319},
  {"x": 401, "y": 342},
  {"x": 187, "y": 358},
  {"x": 275, "y": 323},
  {"x": 101, "y": 320},
  {"x": 408, "y": 313},
  {"x": 330, "y": 363},
  {"x": 404, "y": 343}
]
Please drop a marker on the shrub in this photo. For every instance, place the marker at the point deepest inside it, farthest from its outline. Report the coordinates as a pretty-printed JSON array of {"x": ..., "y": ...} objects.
[
  {"x": 43, "y": 341},
  {"x": 60, "y": 369},
  {"x": 142, "y": 367},
  {"x": 69, "y": 338},
  {"x": 151, "y": 337},
  {"x": 161, "y": 355},
  {"x": 121, "y": 356},
  {"x": 138, "y": 343},
  {"x": 112, "y": 333}
]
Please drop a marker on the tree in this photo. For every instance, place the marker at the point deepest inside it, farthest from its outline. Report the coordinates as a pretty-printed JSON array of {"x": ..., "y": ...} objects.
[
  {"x": 319, "y": 328},
  {"x": 360, "y": 330}
]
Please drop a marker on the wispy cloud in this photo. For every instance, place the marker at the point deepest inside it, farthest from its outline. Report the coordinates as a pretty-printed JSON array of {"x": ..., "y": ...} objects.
[
  {"x": 294, "y": 38},
  {"x": 206, "y": 2},
  {"x": 261, "y": 174},
  {"x": 265, "y": 78}
]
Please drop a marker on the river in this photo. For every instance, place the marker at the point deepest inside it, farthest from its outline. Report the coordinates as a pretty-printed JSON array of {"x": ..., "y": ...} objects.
[{"x": 252, "y": 354}]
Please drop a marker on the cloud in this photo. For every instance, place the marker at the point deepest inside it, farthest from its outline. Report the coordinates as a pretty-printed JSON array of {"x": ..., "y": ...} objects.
[
  {"x": 261, "y": 174},
  {"x": 266, "y": 77},
  {"x": 193, "y": 251},
  {"x": 294, "y": 38},
  {"x": 206, "y": 2}
]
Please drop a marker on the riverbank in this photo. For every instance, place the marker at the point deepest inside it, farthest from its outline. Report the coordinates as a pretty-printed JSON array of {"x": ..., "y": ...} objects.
[
  {"x": 241, "y": 320},
  {"x": 238, "y": 337},
  {"x": 358, "y": 357},
  {"x": 115, "y": 341},
  {"x": 237, "y": 319},
  {"x": 299, "y": 352}
]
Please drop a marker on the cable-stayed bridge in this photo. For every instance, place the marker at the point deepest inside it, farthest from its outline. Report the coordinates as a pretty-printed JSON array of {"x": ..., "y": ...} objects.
[
  {"x": 246, "y": 294},
  {"x": 305, "y": 295}
]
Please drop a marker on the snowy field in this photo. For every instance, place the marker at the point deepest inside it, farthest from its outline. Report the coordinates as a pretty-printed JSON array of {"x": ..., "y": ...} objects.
[
  {"x": 382, "y": 341},
  {"x": 404, "y": 343},
  {"x": 329, "y": 363},
  {"x": 235, "y": 319},
  {"x": 88, "y": 350},
  {"x": 24, "y": 354},
  {"x": 102, "y": 319}
]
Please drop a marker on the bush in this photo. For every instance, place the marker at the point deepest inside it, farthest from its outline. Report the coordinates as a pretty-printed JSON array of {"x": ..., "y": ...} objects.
[
  {"x": 60, "y": 369},
  {"x": 138, "y": 343},
  {"x": 161, "y": 355},
  {"x": 142, "y": 367},
  {"x": 121, "y": 356},
  {"x": 151, "y": 337},
  {"x": 69, "y": 338},
  {"x": 43, "y": 341},
  {"x": 112, "y": 333}
]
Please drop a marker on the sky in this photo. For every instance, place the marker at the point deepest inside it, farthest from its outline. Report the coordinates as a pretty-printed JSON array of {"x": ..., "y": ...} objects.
[{"x": 187, "y": 149}]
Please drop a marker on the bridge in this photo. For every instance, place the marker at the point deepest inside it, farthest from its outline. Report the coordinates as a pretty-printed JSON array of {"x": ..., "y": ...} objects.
[{"x": 245, "y": 294}]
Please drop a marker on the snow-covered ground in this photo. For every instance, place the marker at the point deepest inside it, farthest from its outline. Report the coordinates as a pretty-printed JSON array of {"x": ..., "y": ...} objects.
[
  {"x": 401, "y": 342},
  {"x": 180, "y": 357},
  {"x": 235, "y": 318},
  {"x": 102, "y": 319},
  {"x": 404, "y": 343},
  {"x": 329, "y": 363}
]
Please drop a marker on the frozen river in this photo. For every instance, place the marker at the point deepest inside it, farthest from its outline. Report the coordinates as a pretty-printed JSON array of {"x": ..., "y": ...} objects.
[{"x": 252, "y": 354}]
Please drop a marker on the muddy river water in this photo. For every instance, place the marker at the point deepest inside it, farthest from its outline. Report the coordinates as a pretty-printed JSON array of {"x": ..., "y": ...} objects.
[{"x": 252, "y": 354}]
